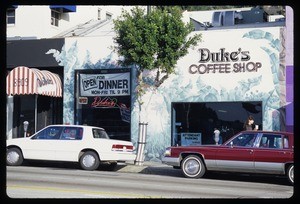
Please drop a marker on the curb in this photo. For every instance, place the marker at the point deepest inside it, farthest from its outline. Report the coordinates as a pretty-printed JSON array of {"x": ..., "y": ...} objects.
[
  {"x": 131, "y": 167},
  {"x": 148, "y": 168}
]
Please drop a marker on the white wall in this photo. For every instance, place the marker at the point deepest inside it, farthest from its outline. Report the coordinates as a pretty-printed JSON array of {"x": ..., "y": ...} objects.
[
  {"x": 31, "y": 21},
  {"x": 35, "y": 21}
]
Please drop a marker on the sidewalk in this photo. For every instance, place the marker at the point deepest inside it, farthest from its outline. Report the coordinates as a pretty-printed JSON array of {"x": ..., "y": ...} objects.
[{"x": 148, "y": 167}]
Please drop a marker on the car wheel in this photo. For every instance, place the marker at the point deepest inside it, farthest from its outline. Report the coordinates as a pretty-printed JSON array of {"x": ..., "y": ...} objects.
[
  {"x": 14, "y": 157},
  {"x": 290, "y": 173},
  {"x": 89, "y": 161},
  {"x": 193, "y": 167}
]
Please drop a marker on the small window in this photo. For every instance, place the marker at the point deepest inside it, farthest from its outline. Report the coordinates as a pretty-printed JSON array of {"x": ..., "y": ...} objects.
[
  {"x": 10, "y": 16},
  {"x": 48, "y": 134},
  {"x": 71, "y": 133},
  {"x": 286, "y": 142},
  {"x": 108, "y": 16},
  {"x": 98, "y": 133},
  {"x": 55, "y": 16}
]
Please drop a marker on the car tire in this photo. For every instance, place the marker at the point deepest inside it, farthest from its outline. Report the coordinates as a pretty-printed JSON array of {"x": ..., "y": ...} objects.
[
  {"x": 193, "y": 167},
  {"x": 290, "y": 173},
  {"x": 89, "y": 161},
  {"x": 14, "y": 157}
]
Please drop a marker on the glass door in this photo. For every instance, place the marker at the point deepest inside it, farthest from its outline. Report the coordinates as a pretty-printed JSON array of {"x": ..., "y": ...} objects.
[{"x": 24, "y": 110}]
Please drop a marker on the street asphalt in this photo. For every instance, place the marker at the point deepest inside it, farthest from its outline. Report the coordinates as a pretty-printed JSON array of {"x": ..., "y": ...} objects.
[{"x": 158, "y": 168}]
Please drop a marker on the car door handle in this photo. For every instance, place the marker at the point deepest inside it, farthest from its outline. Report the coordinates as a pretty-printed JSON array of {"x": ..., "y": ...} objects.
[{"x": 251, "y": 151}]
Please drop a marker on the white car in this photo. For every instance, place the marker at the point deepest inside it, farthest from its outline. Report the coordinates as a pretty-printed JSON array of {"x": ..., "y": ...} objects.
[{"x": 73, "y": 143}]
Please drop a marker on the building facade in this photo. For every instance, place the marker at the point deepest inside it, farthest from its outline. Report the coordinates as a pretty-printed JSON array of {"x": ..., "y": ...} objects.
[{"x": 232, "y": 73}]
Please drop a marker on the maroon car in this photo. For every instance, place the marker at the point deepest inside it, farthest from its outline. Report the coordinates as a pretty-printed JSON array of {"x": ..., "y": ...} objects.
[{"x": 265, "y": 152}]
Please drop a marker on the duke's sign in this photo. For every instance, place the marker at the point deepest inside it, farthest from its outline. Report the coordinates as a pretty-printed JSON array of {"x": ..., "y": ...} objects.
[{"x": 224, "y": 62}]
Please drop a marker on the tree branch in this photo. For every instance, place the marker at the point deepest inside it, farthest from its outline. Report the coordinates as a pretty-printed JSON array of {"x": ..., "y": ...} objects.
[{"x": 158, "y": 83}]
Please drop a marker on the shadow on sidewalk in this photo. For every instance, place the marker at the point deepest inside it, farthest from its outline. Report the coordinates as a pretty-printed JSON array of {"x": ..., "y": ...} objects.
[{"x": 163, "y": 171}]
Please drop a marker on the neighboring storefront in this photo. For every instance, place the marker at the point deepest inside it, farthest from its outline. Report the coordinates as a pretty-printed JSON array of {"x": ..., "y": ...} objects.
[
  {"x": 33, "y": 86},
  {"x": 231, "y": 74},
  {"x": 97, "y": 91}
]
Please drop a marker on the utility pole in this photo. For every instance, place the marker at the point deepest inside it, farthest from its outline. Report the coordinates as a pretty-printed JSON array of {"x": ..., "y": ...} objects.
[
  {"x": 142, "y": 132},
  {"x": 148, "y": 10}
]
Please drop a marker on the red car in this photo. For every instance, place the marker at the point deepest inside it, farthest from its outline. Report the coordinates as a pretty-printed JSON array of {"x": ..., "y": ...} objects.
[{"x": 263, "y": 152}]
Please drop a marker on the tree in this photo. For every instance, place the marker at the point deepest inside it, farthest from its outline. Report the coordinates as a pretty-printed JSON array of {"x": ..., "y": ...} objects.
[{"x": 152, "y": 42}]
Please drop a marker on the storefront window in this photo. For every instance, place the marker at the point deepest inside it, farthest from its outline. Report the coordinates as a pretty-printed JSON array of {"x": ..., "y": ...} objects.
[
  {"x": 200, "y": 120},
  {"x": 40, "y": 111},
  {"x": 115, "y": 123},
  {"x": 104, "y": 101}
]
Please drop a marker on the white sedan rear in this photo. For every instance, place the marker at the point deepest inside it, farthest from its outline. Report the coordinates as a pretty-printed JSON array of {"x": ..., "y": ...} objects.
[{"x": 73, "y": 143}]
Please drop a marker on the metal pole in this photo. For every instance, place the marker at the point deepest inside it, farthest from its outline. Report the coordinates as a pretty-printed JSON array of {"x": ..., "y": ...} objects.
[
  {"x": 141, "y": 143},
  {"x": 35, "y": 113}
]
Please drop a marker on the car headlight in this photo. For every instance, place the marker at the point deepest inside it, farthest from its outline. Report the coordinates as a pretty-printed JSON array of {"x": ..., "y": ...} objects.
[{"x": 167, "y": 152}]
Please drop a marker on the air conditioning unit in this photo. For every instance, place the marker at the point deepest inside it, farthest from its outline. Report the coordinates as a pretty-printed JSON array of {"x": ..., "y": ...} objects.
[
  {"x": 228, "y": 18},
  {"x": 217, "y": 19}
]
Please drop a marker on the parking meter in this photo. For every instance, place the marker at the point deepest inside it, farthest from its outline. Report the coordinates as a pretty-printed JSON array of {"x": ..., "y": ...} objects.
[{"x": 25, "y": 124}]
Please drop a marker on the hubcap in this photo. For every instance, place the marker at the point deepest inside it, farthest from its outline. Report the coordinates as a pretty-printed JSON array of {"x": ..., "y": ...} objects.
[
  {"x": 192, "y": 167},
  {"x": 88, "y": 160},
  {"x": 12, "y": 157},
  {"x": 291, "y": 174}
]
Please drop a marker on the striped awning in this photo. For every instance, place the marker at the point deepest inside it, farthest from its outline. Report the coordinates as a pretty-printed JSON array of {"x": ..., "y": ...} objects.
[{"x": 23, "y": 80}]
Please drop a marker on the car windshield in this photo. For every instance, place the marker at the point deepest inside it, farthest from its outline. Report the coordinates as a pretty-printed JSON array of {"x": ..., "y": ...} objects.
[{"x": 243, "y": 140}]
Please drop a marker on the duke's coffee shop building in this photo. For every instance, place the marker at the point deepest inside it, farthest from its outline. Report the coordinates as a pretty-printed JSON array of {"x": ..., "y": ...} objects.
[{"x": 232, "y": 73}]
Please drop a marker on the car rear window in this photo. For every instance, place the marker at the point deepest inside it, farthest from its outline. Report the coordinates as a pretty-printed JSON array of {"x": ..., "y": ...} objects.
[{"x": 99, "y": 133}]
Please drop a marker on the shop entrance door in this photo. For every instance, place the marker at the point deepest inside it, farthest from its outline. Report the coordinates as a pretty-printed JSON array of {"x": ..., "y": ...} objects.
[
  {"x": 44, "y": 111},
  {"x": 24, "y": 107}
]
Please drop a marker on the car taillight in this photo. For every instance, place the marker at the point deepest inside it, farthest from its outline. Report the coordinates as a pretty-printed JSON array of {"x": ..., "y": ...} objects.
[
  {"x": 167, "y": 152},
  {"x": 122, "y": 148}
]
